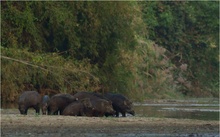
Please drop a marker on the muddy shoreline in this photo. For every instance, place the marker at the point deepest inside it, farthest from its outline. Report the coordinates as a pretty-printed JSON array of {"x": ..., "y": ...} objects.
[
  {"x": 39, "y": 125},
  {"x": 149, "y": 125}
]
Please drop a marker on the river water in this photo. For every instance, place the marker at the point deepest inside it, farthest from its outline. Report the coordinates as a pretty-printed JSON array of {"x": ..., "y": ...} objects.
[
  {"x": 178, "y": 111},
  {"x": 201, "y": 109}
]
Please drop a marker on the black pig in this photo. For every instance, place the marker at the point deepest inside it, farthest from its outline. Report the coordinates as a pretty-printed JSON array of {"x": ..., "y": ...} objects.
[
  {"x": 29, "y": 99},
  {"x": 78, "y": 108},
  {"x": 121, "y": 104},
  {"x": 58, "y": 103}
]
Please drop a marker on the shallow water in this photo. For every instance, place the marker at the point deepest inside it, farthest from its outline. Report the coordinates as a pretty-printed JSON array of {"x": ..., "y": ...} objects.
[{"x": 181, "y": 109}]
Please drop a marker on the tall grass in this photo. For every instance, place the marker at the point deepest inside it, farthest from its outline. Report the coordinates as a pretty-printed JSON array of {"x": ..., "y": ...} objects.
[
  {"x": 23, "y": 70},
  {"x": 149, "y": 72}
]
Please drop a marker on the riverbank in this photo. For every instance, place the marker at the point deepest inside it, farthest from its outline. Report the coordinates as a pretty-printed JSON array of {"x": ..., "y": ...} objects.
[{"x": 39, "y": 125}]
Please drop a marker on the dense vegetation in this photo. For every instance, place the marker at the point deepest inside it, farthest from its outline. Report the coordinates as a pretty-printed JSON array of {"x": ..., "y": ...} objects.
[{"x": 141, "y": 49}]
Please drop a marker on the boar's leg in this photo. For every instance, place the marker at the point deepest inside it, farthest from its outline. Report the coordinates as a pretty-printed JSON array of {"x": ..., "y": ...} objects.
[{"x": 123, "y": 114}]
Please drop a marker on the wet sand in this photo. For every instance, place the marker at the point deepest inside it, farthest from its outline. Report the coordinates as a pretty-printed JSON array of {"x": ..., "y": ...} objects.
[{"x": 66, "y": 126}]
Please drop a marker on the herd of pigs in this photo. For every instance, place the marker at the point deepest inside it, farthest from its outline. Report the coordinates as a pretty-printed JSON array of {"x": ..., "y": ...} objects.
[{"x": 80, "y": 104}]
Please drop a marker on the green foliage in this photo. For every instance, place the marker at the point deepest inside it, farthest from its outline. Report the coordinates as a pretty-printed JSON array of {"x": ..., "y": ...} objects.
[
  {"x": 151, "y": 70},
  {"x": 34, "y": 71},
  {"x": 70, "y": 46},
  {"x": 54, "y": 33},
  {"x": 190, "y": 31}
]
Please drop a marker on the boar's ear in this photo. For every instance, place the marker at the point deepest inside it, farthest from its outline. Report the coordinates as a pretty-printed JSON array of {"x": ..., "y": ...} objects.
[{"x": 125, "y": 103}]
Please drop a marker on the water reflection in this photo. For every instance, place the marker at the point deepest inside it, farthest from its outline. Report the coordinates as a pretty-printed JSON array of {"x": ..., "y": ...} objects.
[
  {"x": 183, "y": 112},
  {"x": 167, "y": 110}
]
